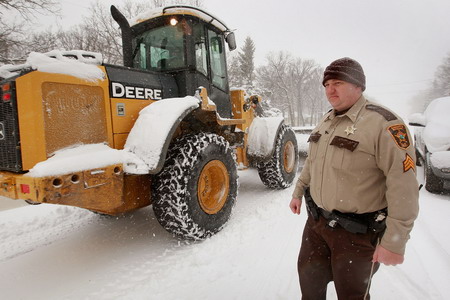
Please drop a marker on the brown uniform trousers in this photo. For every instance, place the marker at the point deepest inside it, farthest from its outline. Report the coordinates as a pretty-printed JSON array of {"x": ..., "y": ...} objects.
[{"x": 334, "y": 254}]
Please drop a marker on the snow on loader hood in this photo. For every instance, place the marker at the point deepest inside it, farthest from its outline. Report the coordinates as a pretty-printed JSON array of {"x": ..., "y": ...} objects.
[{"x": 82, "y": 65}]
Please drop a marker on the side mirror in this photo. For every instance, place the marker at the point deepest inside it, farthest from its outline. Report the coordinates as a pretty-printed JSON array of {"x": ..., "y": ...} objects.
[
  {"x": 417, "y": 119},
  {"x": 231, "y": 41}
]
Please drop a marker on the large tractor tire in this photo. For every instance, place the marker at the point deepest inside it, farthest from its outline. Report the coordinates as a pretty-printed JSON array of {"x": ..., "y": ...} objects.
[
  {"x": 433, "y": 184},
  {"x": 194, "y": 194},
  {"x": 279, "y": 172}
]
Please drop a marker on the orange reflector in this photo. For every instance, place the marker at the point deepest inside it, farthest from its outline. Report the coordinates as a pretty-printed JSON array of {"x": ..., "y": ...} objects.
[
  {"x": 6, "y": 97},
  {"x": 25, "y": 188},
  {"x": 6, "y": 87}
]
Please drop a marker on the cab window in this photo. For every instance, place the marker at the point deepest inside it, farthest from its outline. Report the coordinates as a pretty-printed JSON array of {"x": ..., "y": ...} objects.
[
  {"x": 217, "y": 54},
  {"x": 201, "y": 62},
  {"x": 160, "y": 49}
]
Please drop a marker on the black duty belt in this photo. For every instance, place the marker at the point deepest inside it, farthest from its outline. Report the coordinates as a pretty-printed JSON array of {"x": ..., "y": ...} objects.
[{"x": 355, "y": 223}]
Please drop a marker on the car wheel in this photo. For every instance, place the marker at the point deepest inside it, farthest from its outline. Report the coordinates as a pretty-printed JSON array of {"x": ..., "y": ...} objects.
[
  {"x": 195, "y": 192},
  {"x": 279, "y": 172},
  {"x": 433, "y": 184},
  {"x": 418, "y": 159}
]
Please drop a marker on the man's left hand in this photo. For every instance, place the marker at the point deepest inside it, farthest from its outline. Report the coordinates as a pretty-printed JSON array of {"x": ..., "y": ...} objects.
[{"x": 384, "y": 256}]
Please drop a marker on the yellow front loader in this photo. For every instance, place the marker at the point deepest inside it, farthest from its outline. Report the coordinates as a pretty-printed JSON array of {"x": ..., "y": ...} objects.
[{"x": 164, "y": 129}]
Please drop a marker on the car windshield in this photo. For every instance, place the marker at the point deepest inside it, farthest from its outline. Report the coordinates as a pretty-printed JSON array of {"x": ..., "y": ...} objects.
[{"x": 160, "y": 49}]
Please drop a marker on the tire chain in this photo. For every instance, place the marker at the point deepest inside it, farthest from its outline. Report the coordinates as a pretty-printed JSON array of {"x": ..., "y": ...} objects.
[
  {"x": 170, "y": 209},
  {"x": 270, "y": 172}
]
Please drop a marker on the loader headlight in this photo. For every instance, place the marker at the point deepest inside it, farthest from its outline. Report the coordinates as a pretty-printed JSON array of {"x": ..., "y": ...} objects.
[{"x": 173, "y": 21}]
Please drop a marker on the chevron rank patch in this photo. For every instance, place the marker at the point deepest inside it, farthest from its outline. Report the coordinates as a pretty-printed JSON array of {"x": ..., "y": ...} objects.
[
  {"x": 400, "y": 135},
  {"x": 408, "y": 164}
]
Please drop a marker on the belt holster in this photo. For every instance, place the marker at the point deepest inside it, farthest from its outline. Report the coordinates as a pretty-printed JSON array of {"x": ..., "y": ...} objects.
[{"x": 311, "y": 206}]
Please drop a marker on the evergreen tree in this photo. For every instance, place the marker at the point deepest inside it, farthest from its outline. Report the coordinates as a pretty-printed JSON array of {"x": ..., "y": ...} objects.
[{"x": 246, "y": 64}]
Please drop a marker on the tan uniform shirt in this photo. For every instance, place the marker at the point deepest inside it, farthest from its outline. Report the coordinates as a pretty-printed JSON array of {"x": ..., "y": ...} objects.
[{"x": 363, "y": 161}]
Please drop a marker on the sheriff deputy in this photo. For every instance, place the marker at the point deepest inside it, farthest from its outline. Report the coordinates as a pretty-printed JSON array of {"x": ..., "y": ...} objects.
[{"x": 360, "y": 189}]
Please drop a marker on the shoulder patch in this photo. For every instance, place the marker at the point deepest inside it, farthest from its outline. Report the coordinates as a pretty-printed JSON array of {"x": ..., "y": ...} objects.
[
  {"x": 409, "y": 164},
  {"x": 400, "y": 135},
  {"x": 389, "y": 116}
]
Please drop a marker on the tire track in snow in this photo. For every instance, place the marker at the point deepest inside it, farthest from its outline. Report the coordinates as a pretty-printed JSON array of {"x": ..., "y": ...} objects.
[
  {"x": 21, "y": 235},
  {"x": 237, "y": 263}
]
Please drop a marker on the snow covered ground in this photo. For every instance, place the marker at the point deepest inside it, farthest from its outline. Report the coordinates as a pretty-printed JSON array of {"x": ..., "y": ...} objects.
[{"x": 56, "y": 252}]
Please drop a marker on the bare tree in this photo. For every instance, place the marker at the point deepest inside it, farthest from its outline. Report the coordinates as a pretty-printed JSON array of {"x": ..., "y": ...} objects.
[
  {"x": 43, "y": 41},
  {"x": 12, "y": 32},
  {"x": 441, "y": 82},
  {"x": 293, "y": 84},
  {"x": 440, "y": 87},
  {"x": 315, "y": 99},
  {"x": 28, "y": 8},
  {"x": 11, "y": 38},
  {"x": 272, "y": 79}
]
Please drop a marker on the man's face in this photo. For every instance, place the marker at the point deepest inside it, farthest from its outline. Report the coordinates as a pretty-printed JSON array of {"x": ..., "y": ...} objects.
[{"x": 341, "y": 94}]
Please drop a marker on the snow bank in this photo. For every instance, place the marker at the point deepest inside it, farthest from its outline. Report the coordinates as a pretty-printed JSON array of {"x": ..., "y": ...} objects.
[
  {"x": 149, "y": 134},
  {"x": 76, "y": 159},
  {"x": 302, "y": 143},
  {"x": 261, "y": 136},
  {"x": 436, "y": 134},
  {"x": 77, "y": 63}
]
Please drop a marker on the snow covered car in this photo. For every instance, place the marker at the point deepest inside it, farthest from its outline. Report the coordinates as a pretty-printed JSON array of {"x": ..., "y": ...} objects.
[{"x": 432, "y": 142}]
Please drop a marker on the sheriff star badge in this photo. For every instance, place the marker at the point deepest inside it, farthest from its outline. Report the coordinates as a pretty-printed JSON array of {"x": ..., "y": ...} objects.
[{"x": 350, "y": 129}]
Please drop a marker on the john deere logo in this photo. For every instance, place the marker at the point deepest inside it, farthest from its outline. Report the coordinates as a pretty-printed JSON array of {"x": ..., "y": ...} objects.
[{"x": 2, "y": 131}]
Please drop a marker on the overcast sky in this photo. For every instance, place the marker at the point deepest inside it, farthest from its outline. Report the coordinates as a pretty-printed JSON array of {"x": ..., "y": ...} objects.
[{"x": 399, "y": 43}]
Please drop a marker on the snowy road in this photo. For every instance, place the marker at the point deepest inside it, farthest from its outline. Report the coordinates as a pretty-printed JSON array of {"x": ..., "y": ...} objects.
[{"x": 55, "y": 252}]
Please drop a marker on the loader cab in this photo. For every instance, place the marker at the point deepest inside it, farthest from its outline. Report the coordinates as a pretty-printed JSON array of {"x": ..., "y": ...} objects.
[{"x": 188, "y": 44}]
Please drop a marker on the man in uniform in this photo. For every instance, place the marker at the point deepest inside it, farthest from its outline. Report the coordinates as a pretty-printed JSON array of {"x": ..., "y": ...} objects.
[{"x": 360, "y": 189}]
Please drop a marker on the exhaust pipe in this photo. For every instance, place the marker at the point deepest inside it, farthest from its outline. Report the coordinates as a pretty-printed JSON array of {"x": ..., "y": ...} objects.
[{"x": 127, "y": 47}]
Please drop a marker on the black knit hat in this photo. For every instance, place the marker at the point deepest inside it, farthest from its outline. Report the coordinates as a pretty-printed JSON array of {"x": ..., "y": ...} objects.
[{"x": 346, "y": 69}]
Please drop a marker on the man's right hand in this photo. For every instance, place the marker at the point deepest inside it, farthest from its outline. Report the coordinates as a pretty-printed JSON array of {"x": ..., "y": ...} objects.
[
  {"x": 389, "y": 258},
  {"x": 295, "y": 205}
]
